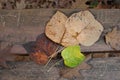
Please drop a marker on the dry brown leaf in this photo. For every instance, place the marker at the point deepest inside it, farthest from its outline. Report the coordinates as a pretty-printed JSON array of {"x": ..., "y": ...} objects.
[
  {"x": 20, "y": 4},
  {"x": 39, "y": 57},
  {"x": 83, "y": 28},
  {"x": 43, "y": 49},
  {"x": 90, "y": 34},
  {"x": 79, "y": 4},
  {"x": 78, "y": 21},
  {"x": 68, "y": 40},
  {"x": 55, "y": 28},
  {"x": 80, "y": 27},
  {"x": 113, "y": 39},
  {"x": 64, "y": 3},
  {"x": 74, "y": 72},
  {"x": 101, "y": 6}
]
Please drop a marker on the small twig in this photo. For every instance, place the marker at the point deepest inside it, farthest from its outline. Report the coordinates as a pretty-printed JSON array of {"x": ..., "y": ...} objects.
[
  {"x": 50, "y": 58},
  {"x": 48, "y": 62},
  {"x": 54, "y": 65},
  {"x": 55, "y": 53}
]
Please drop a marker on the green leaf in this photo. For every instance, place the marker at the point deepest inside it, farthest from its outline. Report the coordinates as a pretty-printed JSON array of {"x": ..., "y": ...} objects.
[{"x": 72, "y": 56}]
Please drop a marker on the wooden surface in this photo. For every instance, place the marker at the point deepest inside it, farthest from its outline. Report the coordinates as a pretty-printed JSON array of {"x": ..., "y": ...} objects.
[
  {"x": 102, "y": 69},
  {"x": 22, "y": 26}
]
